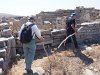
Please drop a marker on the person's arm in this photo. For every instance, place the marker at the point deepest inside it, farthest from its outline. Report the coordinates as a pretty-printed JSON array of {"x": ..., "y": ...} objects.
[
  {"x": 38, "y": 33},
  {"x": 73, "y": 25},
  {"x": 20, "y": 31}
]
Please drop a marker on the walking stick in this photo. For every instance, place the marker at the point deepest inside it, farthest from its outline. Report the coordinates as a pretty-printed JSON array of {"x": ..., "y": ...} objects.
[
  {"x": 48, "y": 59},
  {"x": 68, "y": 37},
  {"x": 65, "y": 40}
]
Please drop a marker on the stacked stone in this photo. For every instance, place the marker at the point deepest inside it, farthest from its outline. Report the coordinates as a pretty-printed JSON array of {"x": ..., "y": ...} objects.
[
  {"x": 51, "y": 38},
  {"x": 47, "y": 39},
  {"x": 89, "y": 32},
  {"x": 12, "y": 47},
  {"x": 58, "y": 36},
  {"x": 7, "y": 50},
  {"x": 1, "y": 66},
  {"x": 6, "y": 33},
  {"x": 3, "y": 52},
  {"x": 7, "y": 43}
]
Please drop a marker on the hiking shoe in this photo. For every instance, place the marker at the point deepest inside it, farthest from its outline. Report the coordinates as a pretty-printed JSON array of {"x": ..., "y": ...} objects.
[
  {"x": 29, "y": 71},
  {"x": 77, "y": 52}
]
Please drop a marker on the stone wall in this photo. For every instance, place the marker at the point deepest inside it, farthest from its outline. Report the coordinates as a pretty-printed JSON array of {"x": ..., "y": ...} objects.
[
  {"x": 86, "y": 14},
  {"x": 90, "y": 32},
  {"x": 58, "y": 18},
  {"x": 52, "y": 16},
  {"x": 7, "y": 45},
  {"x": 83, "y": 15}
]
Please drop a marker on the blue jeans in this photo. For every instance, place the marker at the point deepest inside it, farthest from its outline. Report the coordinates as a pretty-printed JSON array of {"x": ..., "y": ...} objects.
[{"x": 29, "y": 53}]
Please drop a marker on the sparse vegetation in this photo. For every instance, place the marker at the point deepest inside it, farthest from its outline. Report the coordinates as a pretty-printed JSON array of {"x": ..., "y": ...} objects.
[{"x": 63, "y": 63}]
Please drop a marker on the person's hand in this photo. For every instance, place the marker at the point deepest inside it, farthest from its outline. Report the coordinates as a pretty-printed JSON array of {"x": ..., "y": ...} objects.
[{"x": 41, "y": 39}]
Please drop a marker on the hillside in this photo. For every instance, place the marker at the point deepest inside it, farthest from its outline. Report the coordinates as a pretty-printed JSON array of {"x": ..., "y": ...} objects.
[
  {"x": 7, "y": 15},
  {"x": 64, "y": 63}
]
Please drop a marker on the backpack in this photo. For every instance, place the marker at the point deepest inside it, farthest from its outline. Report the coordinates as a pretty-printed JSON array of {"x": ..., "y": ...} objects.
[{"x": 26, "y": 34}]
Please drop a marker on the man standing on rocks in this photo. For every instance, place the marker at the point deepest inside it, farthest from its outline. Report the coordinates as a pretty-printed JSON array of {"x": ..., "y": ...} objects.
[
  {"x": 70, "y": 28},
  {"x": 30, "y": 47}
]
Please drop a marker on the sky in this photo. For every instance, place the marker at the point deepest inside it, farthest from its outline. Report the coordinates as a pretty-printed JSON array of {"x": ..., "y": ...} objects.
[{"x": 33, "y": 7}]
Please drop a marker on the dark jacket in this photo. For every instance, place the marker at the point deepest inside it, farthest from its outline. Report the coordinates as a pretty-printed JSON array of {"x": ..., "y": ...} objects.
[{"x": 69, "y": 22}]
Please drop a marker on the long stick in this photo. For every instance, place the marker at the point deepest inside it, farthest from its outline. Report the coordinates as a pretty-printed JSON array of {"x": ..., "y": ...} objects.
[
  {"x": 48, "y": 58},
  {"x": 46, "y": 52},
  {"x": 65, "y": 40},
  {"x": 69, "y": 36}
]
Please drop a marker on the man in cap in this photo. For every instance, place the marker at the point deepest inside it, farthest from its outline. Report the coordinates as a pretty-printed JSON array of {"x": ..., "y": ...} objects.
[
  {"x": 30, "y": 48},
  {"x": 70, "y": 28}
]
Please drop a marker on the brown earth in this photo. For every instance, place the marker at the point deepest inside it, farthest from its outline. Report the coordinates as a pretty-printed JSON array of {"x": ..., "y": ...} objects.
[{"x": 65, "y": 63}]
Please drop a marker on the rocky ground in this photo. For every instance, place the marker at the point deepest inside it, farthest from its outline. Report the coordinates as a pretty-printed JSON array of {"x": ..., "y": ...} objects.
[{"x": 64, "y": 62}]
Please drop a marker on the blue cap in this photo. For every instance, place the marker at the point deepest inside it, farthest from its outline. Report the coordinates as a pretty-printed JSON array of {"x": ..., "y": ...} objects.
[
  {"x": 73, "y": 14},
  {"x": 31, "y": 18}
]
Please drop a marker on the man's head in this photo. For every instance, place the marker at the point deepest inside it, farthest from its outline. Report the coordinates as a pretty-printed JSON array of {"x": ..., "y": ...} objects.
[
  {"x": 31, "y": 18},
  {"x": 73, "y": 15}
]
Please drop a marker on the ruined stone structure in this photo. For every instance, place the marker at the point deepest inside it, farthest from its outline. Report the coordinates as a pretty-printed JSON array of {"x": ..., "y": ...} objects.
[
  {"x": 52, "y": 16},
  {"x": 7, "y": 44},
  {"x": 57, "y": 18},
  {"x": 52, "y": 25},
  {"x": 15, "y": 25},
  {"x": 90, "y": 32},
  {"x": 86, "y": 14}
]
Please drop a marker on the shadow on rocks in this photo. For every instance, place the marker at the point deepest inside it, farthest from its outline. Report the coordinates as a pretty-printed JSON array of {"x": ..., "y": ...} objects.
[
  {"x": 84, "y": 58},
  {"x": 31, "y": 74}
]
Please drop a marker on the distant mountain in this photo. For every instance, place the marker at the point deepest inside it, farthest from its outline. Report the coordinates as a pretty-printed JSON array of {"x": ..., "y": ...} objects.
[{"x": 7, "y": 15}]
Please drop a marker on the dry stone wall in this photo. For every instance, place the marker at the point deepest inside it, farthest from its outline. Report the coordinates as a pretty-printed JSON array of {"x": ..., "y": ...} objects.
[
  {"x": 90, "y": 32},
  {"x": 7, "y": 45},
  {"x": 53, "y": 38}
]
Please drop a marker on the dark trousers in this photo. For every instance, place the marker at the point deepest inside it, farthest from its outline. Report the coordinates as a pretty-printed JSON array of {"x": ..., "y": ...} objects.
[{"x": 73, "y": 38}]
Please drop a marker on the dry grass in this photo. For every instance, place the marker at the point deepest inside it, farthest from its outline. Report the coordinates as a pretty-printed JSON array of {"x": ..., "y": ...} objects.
[
  {"x": 17, "y": 69},
  {"x": 63, "y": 63}
]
